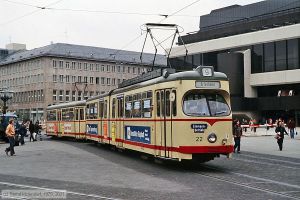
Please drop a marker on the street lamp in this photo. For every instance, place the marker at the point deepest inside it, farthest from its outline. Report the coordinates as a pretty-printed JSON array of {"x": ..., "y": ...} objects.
[{"x": 5, "y": 95}]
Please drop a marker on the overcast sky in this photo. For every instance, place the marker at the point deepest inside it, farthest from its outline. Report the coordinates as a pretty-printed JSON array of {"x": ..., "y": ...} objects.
[{"x": 110, "y": 24}]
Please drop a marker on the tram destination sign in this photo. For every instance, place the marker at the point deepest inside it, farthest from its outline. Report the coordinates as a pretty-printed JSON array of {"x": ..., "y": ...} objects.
[{"x": 208, "y": 84}]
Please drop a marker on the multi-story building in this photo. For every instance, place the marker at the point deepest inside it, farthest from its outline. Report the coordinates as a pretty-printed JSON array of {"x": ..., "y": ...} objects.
[
  {"x": 64, "y": 72},
  {"x": 258, "y": 47}
]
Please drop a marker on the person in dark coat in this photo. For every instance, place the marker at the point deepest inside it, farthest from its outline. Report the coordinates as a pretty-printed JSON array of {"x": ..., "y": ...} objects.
[
  {"x": 237, "y": 133},
  {"x": 280, "y": 131},
  {"x": 23, "y": 132},
  {"x": 31, "y": 130}
]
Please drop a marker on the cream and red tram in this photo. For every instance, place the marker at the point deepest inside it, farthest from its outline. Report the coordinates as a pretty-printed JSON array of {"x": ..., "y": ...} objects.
[
  {"x": 66, "y": 120},
  {"x": 178, "y": 116}
]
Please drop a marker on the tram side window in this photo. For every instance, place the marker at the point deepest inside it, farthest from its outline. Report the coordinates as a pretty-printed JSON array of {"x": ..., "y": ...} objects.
[
  {"x": 59, "y": 115},
  {"x": 113, "y": 113},
  {"x": 51, "y": 115},
  {"x": 92, "y": 110},
  {"x": 120, "y": 108},
  {"x": 136, "y": 112},
  {"x": 174, "y": 109},
  {"x": 76, "y": 114},
  {"x": 168, "y": 106},
  {"x": 105, "y": 109},
  {"x": 162, "y": 103},
  {"x": 158, "y": 104},
  {"x": 101, "y": 106},
  {"x": 81, "y": 114},
  {"x": 68, "y": 114},
  {"x": 147, "y": 105},
  {"x": 128, "y": 106},
  {"x": 87, "y": 111}
]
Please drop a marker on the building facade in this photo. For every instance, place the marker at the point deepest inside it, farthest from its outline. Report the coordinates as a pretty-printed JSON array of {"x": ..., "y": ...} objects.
[
  {"x": 258, "y": 47},
  {"x": 64, "y": 72}
]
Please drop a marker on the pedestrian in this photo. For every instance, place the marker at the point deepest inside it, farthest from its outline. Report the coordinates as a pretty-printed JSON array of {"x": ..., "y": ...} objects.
[
  {"x": 37, "y": 128},
  {"x": 10, "y": 133},
  {"x": 237, "y": 133},
  {"x": 280, "y": 131},
  {"x": 292, "y": 126},
  {"x": 31, "y": 131},
  {"x": 23, "y": 132}
]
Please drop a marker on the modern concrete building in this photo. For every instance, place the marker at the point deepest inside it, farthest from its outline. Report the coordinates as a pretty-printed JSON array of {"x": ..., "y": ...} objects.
[
  {"x": 64, "y": 72},
  {"x": 258, "y": 47}
]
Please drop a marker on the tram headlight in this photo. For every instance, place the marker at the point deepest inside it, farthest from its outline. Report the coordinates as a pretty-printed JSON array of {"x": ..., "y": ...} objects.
[{"x": 212, "y": 138}]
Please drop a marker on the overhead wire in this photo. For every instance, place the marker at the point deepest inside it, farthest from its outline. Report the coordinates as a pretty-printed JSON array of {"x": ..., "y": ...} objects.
[
  {"x": 132, "y": 41},
  {"x": 39, "y": 8}
]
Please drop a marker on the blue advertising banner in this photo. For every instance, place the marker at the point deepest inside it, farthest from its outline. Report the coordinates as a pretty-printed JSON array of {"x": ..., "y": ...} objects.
[
  {"x": 92, "y": 129},
  {"x": 138, "y": 134}
]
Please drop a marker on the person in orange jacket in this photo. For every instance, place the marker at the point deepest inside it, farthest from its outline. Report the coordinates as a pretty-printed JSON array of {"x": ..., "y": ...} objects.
[{"x": 10, "y": 133}]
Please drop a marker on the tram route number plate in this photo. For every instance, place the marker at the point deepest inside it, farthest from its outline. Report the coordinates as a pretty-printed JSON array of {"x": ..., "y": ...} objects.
[
  {"x": 199, "y": 128},
  {"x": 208, "y": 84}
]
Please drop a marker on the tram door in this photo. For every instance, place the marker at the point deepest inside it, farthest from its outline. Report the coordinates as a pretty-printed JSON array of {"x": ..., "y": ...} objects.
[
  {"x": 77, "y": 124},
  {"x": 120, "y": 123},
  {"x": 164, "y": 125}
]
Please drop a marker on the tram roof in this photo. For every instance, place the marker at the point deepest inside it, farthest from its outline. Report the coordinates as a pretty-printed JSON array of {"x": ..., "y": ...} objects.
[
  {"x": 186, "y": 75},
  {"x": 69, "y": 104}
]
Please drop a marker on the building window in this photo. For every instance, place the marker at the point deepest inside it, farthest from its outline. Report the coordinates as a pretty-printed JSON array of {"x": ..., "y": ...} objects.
[
  {"x": 79, "y": 96},
  {"x": 67, "y": 65},
  {"x": 293, "y": 54},
  {"x": 73, "y": 65},
  {"x": 113, "y": 81},
  {"x": 73, "y": 79},
  {"x": 128, "y": 70},
  {"x": 97, "y": 67},
  {"x": 97, "y": 80},
  {"x": 85, "y": 95},
  {"x": 119, "y": 68},
  {"x": 113, "y": 68},
  {"x": 108, "y": 81},
  {"x": 67, "y": 95},
  {"x": 281, "y": 55},
  {"x": 61, "y": 64},
  {"x": 61, "y": 94},
  {"x": 108, "y": 68},
  {"x": 85, "y": 79},
  {"x": 61, "y": 78},
  {"x": 73, "y": 96},
  {"x": 269, "y": 57},
  {"x": 79, "y": 66},
  {"x": 79, "y": 79},
  {"x": 102, "y": 80},
  {"x": 91, "y": 80},
  {"x": 102, "y": 68},
  {"x": 54, "y": 64},
  {"x": 54, "y": 95},
  {"x": 257, "y": 59},
  {"x": 85, "y": 66},
  {"x": 91, "y": 67},
  {"x": 119, "y": 81},
  {"x": 54, "y": 78},
  {"x": 67, "y": 78}
]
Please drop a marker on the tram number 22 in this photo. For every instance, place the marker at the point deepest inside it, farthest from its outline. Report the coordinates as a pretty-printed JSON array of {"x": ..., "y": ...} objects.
[{"x": 198, "y": 139}]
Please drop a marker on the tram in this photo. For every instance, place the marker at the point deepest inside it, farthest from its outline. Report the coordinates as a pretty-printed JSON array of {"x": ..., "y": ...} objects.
[{"x": 175, "y": 116}]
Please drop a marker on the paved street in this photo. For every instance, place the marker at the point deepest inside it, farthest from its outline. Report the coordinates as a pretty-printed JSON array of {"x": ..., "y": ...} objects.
[{"x": 88, "y": 171}]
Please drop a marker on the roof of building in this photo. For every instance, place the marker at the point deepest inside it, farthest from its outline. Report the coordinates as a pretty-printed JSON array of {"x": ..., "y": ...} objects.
[
  {"x": 236, "y": 19},
  {"x": 237, "y": 12},
  {"x": 85, "y": 52}
]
